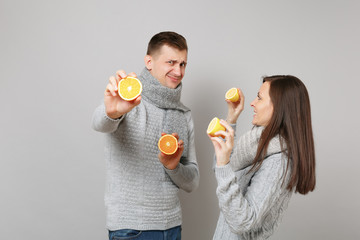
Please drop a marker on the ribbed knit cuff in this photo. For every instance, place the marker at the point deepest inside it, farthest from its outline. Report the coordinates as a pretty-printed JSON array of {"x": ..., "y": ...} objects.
[
  {"x": 111, "y": 119},
  {"x": 114, "y": 120},
  {"x": 173, "y": 171},
  {"x": 223, "y": 172}
]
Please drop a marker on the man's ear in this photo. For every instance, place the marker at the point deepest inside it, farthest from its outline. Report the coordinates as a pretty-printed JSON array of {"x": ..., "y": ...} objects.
[{"x": 148, "y": 62}]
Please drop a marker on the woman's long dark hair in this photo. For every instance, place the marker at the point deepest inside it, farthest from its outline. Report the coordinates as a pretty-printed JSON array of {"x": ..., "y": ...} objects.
[{"x": 291, "y": 120}]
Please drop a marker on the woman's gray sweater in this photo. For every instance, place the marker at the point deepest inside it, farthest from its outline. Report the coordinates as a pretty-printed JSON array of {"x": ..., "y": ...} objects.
[{"x": 251, "y": 204}]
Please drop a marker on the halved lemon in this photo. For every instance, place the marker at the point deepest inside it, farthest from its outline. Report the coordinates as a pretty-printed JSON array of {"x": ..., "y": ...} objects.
[
  {"x": 214, "y": 126},
  {"x": 168, "y": 144},
  {"x": 232, "y": 94},
  {"x": 129, "y": 88}
]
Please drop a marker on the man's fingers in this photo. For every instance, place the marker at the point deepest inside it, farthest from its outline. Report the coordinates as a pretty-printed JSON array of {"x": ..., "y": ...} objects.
[
  {"x": 132, "y": 74},
  {"x": 110, "y": 89},
  {"x": 120, "y": 74},
  {"x": 113, "y": 82},
  {"x": 137, "y": 101},
  {"x": 175, "y": 135}
]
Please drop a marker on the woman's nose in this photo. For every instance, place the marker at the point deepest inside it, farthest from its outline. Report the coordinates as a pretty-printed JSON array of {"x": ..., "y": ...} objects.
[{"x": 252, "y": 104}]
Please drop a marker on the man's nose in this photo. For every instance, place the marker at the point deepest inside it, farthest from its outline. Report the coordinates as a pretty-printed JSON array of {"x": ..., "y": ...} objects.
[{"x": 177, "y": 70}]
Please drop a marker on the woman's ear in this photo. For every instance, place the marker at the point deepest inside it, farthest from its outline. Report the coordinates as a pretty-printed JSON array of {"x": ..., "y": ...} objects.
[{"x": 148, "y": 62}]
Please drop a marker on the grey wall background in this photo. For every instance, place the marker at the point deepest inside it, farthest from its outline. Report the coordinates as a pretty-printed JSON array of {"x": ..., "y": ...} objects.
[{"x": 55, "y": 60}]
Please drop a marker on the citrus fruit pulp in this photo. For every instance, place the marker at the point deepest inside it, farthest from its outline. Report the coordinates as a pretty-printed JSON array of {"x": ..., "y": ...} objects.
[
  {"x": 232, "y": 94},
  {"x": 129, "y": 88},
  {"x": 168, "y": 144},
  {"x": 214, "y": 126}
]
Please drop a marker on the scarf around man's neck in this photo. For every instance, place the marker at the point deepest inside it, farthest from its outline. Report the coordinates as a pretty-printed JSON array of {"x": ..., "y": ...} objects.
[{"x": 167, "y": 99}]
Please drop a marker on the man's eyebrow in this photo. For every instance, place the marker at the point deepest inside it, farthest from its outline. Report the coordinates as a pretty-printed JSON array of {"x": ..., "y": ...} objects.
[{"x": 173, "y": 60}]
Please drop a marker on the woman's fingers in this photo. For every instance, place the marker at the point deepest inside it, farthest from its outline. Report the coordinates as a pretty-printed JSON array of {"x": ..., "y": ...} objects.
[{"x": 227, "y": 126}]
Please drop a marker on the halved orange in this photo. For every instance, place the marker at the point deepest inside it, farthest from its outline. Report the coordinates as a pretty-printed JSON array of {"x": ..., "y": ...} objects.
[
  {"x": 232, "y": 94},
  {"x": 129, "y": 88},
  {"x": 215, "y": 126},
  {"x": 168, "y": 144}
]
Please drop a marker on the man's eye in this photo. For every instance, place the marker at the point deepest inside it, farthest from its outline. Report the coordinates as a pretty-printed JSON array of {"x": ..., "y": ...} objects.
[{"x": 171, "y": 62}]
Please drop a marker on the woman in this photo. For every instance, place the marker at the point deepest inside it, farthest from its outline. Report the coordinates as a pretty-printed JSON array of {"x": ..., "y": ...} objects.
[{"x": 276, "y": 158}]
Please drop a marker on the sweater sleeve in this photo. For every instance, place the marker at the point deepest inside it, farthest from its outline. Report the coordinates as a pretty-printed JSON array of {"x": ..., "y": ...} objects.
[
  {"x": 214, "y": 158},
  {"x": 102, "y": 123},
  {"x": 186, "y": 175},
  {"x": 245, "y": 149},
  {"x": 245, "y": 210}
]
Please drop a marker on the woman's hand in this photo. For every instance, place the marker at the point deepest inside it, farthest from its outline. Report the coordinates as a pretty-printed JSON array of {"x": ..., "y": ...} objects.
[
  {"x": 235, "y": 108},
  {"x": 222, "y": 147}
]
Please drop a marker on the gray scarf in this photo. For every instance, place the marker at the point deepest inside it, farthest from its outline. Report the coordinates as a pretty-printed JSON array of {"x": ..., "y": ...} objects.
[
  {"x": 246, "y": 146},
  {"x": 169, "y": 100}
]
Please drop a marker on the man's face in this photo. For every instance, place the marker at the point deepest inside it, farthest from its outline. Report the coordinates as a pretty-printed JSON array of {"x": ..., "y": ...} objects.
[{"x": 167, "y": 65}]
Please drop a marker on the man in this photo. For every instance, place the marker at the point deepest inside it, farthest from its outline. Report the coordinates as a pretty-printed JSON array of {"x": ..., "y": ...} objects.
[{"x": 142, "y": 183}]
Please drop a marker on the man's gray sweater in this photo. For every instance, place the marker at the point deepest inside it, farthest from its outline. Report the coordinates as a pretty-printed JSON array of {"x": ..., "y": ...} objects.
[{"x": 141, "y": 193}]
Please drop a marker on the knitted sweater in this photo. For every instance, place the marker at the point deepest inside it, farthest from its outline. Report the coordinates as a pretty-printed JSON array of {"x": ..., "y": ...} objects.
[
  {"x": 251, "y": 204},
  {"x": 141, "y": 193}
]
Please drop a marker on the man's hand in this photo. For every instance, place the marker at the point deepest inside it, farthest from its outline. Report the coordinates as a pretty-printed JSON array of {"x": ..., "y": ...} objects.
[
  {"x": 235, "y": 108},
  {"x": 115, "y": 106},
  {"x": 172, "y": 161}
]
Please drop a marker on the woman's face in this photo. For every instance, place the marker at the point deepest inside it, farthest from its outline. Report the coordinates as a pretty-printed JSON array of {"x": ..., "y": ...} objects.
[{"x": 263, "y": 107}]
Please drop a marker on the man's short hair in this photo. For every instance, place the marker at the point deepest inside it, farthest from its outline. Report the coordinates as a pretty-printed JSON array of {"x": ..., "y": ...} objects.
[{"x": 172, "y": 39}]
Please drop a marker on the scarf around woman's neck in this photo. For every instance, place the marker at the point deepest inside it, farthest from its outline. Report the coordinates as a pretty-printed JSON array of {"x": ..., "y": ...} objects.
[
  {"x": 246, "y": 146},
  {"x": 167, "y": 99}
]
